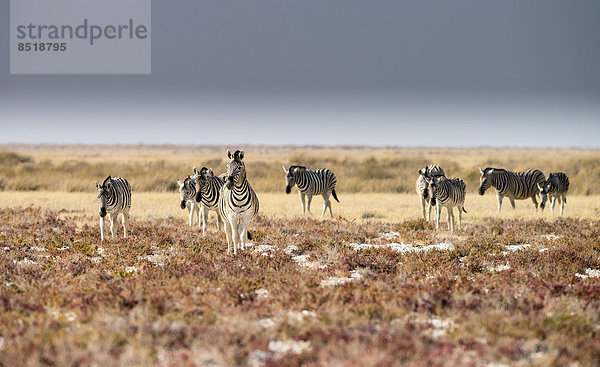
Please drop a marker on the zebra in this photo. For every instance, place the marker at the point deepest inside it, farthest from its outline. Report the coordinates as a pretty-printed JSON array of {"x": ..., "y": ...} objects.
[
  {"x": 114, "y": 198},
  {"x": 208, "y": 189},
  {"x": 556, "y": 186},
  {"x": 422, "y": 187},
  {"x": 238, "y": 203},
  {"x": 187, "y": 195},
  {"x": 447, "y": 192},
  {"x": 308, "y": 182},
  {"x": 514, "y": 185}
]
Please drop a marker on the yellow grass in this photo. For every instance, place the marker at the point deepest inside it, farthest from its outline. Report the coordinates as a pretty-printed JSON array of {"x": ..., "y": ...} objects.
[{"x": 353, "y": 206}]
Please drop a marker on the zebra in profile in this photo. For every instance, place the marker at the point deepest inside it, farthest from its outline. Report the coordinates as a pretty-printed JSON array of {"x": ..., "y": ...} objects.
[
  {"x": 308, "y": 182},
  {"x": 555, "y": 187},
  {"x": 422, "y": 187},
  {"x": 187, "y": 198},
  {"x": 448, "y": 193},
  {"x": 514, "y": 185},
  {"x": 208, "y": 190},
  {"x": 114, "y": 198},
  {"x": 238, "y": 203}
]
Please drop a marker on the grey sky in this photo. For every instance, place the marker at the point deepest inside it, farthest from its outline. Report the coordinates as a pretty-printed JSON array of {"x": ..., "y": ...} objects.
[{"x": 333, "y": 72}]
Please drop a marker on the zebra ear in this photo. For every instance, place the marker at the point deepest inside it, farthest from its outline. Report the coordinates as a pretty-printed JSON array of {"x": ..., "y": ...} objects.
[
  {"x": 491, "y": 170},
  {"x": 196, "y": 171},
  {"x": 421, "y": 172},
  {"x": 540, "y": 187},
  {"x": 98, "y": 185},
  {"x": 480, "y": 170},
  {"x": 229, "y": 155},
  {"x": 285, "y": 170},
  {"x": 179, "y": 183},
  {"x": 240, "y": 154},
  {"x": 209, "y": 172}
]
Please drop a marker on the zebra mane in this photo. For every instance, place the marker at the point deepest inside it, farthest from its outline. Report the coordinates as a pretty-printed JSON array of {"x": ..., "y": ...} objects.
[
  {"x": 495, "y": 169},
  {"x": 106, "y": 180},
  {"x": 298, "y": 167}
]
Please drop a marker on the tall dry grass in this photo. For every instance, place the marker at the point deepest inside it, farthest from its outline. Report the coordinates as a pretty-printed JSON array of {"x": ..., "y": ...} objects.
[{"x": 365, "y": 170}]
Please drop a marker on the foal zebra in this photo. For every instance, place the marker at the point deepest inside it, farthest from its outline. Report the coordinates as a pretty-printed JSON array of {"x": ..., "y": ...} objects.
[
  {"x": 422, "y": 187},
  {"x": 556, "y": 186},
  {"x": 114, "y": 198},
  {"x": 238, "y": 203},
  {"x": 321, "y": 182},
  {"x": 448, "y": 193},
  {"x": 187, "y": 198},
  {"x": 514, "y": 185},
  {"x": 208, "y": 189}
]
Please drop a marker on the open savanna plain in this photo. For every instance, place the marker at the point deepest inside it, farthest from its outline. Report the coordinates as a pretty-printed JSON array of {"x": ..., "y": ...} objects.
[{"x": 374, "y": 286}]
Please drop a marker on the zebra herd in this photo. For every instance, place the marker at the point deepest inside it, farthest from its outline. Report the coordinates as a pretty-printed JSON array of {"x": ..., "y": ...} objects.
[
  {"x": 231, "y": 196},
  {"x": 434, "y": 189}
]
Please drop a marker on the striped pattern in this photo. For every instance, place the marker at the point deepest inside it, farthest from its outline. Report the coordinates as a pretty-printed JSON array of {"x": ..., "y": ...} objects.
[
  {"x": 114, "y": 198},
  {"x": 309, "y": 183},
  {"x": 238, "y": 203},
  {"x": 555, "y": 187},
  {"x": 448, "y": 193},
  {"x": 187, "y": 198},
  {"x": 208, "y": 190},
  {"x": 422, "y": 187},
  {"x": 514, "y": 185}
]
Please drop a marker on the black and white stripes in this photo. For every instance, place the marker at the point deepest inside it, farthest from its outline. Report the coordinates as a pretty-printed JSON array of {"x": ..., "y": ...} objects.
[
  {"x": 448, "y": 193},
  {"x": 187, "y": 198},
  {"x": 430, "y": 171},
  {"x": 514, "y": 185},
  {"x": 555, "y": 187},
  {"x": 310, "y": 183},
  {"x": 114, "y": 198},
  {"x": 208, "y": 190},
  {"x": 238, "y": 203}
]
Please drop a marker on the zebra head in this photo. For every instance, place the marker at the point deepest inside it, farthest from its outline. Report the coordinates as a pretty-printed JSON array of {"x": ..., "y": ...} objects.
[
  {"x": 424, "y": 172},
  {"x": 543, "y": 193},
  {"x": 290, "y": 176},
  {"x": 433, "y": 182},
  {"x": 236, "y": 170},
  {"x": 201, "y": 177},
  {"x": 485, "y": 181},
  {"x": 103, "y": 192},
  {"x": 186, "y": 191}
]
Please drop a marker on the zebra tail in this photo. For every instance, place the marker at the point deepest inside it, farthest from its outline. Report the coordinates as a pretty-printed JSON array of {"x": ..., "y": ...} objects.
[
  {"x": 463, "y": 209},
  {"x": 334, "y": 195}
]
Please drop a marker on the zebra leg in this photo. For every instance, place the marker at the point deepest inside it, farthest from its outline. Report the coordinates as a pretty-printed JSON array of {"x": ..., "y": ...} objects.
[
  {"x": 449, "y": 215},
  {"x": 326, "y": 204},
  {"x": 244, "y": 231},
  {"x": 235, "y": 233},
  {"x": 438, "y": 213},
  {"x": 553, "y": 204},
  {"x": 535, "y": 203},
  {"x": 204, "y": 220},
  {"x": 124, "y": 218},
  {"x": 228, "y": 234},
  {"x": 460, "y": 209},
  {"x": 191, "y": 215},
  {"x": 112, "y": 224},
  {"x": 425, "y": 216},
  {"x": 429, "y": 206},
  {"x": 303, "y": 203},
  {"x": 512, "y": 203},
  {"x": 562, "y": 204},
  {"x": 499, "y": 197},
  {"x": 308, "y": 206},
  {"x": 219, "y": 223},
  {"x": 101, "y": 229}
]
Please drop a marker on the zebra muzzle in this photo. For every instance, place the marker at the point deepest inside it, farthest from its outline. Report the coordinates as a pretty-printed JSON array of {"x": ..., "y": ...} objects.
[
  {"x": 288, "y": 189},
  {"x": 481, "y": 191},
  {"x": 102, "y": 212},
  {"x": 182, "y": 204}
]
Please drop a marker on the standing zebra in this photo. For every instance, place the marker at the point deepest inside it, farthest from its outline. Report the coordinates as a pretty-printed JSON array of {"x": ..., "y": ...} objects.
[
  {"x": 514, "y": 185},
  {"x": 422, "y": 187},
  {"x": 556, "y": 186},
  {"x": 114, "y": 198},
  {"x": 238, "y": 203},
  {"x": 187, "y": 195},
  {"x": 447, "y": 193},
  {"x": 321, "y": 182},
  {"x": 208, "y": 189}
]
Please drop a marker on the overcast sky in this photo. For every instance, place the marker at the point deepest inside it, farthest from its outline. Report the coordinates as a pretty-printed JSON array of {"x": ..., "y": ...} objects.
[{"x": 459, "y": 73}]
